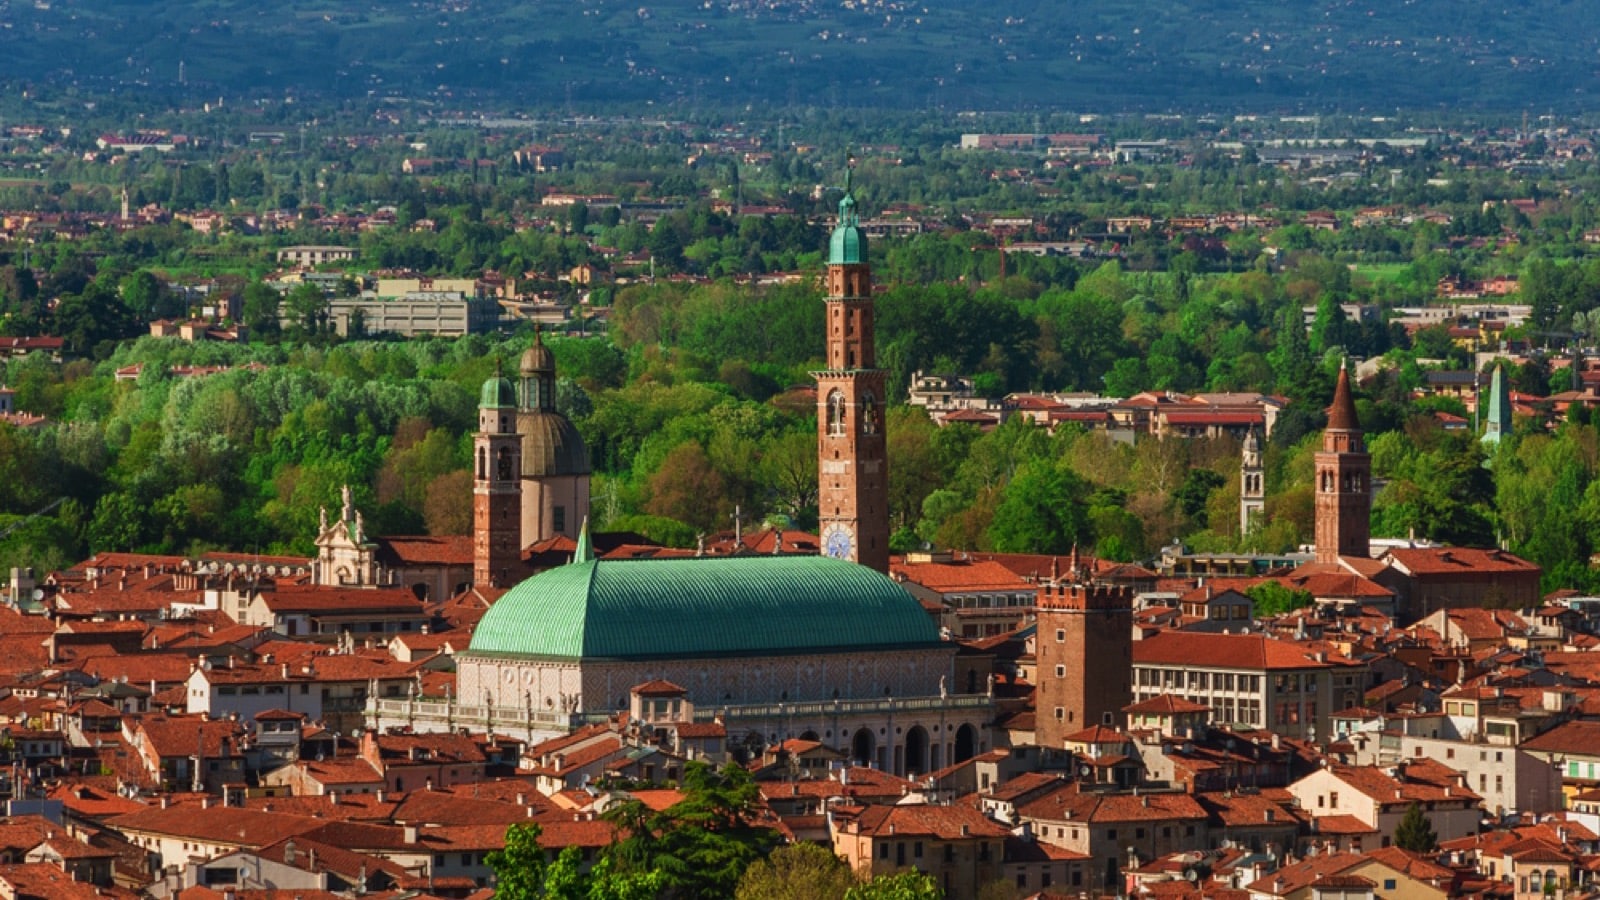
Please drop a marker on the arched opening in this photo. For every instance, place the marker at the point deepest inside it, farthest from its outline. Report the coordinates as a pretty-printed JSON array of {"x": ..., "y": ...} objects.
[
  {"x": 966, "y": 744},
  {"x": 916, "y": 750},
  {"x": 836, "y": 414},
  {"x": 809, "y": 735},
  {"x": 863, "y": 748}
]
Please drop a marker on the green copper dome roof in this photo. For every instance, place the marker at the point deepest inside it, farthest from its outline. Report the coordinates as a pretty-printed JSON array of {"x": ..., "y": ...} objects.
[
  {"x": 698, "y": 607},
  {"x": 848, "y": 243},
  {"x": 497, "y": 393}
]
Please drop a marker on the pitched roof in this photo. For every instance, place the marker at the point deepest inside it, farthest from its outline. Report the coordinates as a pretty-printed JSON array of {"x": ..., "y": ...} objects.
[
  {"x": 1165, "y": 705},
  {"x": 425, "y": 550},
  {"x": 1576, "y": 737},
  {"x": 1456, "y": 560},
  {"x": 216, "y": 824},
  {"x": 1070, "y": 801},
  {"x": 1226, "y": 651},
  {"x": 963, "y": 575},
  {"x": 318, "y": 599},
  {"x": 939, "y": 822}
]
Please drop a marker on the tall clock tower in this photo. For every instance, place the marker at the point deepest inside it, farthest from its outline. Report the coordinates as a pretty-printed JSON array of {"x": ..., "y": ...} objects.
[{"x": 852, "y": 465}]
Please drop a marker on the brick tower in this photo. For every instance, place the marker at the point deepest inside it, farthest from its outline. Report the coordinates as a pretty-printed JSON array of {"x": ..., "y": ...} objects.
[
  {"x": 1084, "y": 648},
  {"x": 1344, "y": 482},
  {"x": 497, "y": 486},
  {"x": 852, "y": 470}
]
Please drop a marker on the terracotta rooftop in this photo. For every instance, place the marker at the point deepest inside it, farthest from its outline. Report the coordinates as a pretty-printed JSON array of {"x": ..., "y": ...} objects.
[{"x": 1226, "y": 651}]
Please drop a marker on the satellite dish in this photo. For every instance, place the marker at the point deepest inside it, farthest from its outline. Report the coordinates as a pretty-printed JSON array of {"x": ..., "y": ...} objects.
[
  {"x": 38, "y": 594},
  {"x": 1191, "y": 875},
  {"x": 1084, "y": 771}
]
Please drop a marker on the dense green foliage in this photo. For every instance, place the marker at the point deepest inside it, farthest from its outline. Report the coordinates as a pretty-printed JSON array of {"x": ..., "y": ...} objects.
[{"x": 1239, "y": 53}]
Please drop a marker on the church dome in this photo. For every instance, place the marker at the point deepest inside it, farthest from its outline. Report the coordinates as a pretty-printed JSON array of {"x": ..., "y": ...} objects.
[
  {"x": 538, "y": 358},
  {"x": 551, "y": 445},
  {"x": 699, "y": 607},
  {"x": 497, "y": 393}
]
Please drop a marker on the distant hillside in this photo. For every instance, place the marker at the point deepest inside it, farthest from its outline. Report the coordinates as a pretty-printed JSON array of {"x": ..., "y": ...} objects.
[{"x": 1023, "y": 54}]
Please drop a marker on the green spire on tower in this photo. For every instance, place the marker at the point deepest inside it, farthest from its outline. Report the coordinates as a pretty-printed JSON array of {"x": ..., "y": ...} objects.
[
  {"x": 584, "y": 551},
  {"x": 849, "y": 243},
  {"x": 1498, "y": 422}
]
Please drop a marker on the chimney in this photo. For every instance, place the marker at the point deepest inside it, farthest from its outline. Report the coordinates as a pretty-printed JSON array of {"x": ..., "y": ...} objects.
[{"x": 409, "y": 832}]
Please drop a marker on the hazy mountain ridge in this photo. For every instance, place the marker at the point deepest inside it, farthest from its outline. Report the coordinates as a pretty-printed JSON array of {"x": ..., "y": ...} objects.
[{"x": 912, "y": 53}]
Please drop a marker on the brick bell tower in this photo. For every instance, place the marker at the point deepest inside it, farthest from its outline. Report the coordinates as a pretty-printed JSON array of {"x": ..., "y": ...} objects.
[
  {"x": 852, "y": 463},
  {"x": 1084, "y": 648},
  {"x": 497, "y": 486},
  {"x": 1344, "y": 482}
]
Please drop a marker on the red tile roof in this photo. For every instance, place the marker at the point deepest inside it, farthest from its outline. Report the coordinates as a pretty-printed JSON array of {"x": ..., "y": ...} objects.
[
  {"x": 1070, "y": 801},
  {"x": 1165, "y": 705},
  {"x": 426, "y": 550},
  {"x": 948, "y": 823},
  {"x": 1457, "y": 560},
  {"x": 1227, "y": 651},
  {"x": 316, "y": 599},
  {"x": 959, "y": 576}
]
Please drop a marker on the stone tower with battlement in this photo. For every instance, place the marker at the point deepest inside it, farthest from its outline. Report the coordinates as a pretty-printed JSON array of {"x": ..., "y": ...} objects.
[
  {"x": 1084, "y": 648},
  {"x": 852, "y": 459}
]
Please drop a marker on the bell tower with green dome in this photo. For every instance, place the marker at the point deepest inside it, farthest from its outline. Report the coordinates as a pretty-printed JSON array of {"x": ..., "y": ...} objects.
[
  {"x": 497, "y": 486},
  {"x": 852, "y": 469}
]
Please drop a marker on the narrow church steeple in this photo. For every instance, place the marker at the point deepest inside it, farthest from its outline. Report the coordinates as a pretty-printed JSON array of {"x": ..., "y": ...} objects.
[
  {"x": 1498, "y": 422},
  {"x": 853, "y": 476},
  {"x": 1344, "y": 481}
]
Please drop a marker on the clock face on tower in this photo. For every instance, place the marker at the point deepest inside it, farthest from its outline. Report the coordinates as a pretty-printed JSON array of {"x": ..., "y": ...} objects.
[{"x": 838, "y": 542}]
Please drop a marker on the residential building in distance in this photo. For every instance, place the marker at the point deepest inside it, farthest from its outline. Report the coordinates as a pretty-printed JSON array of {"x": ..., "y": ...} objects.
[
  {"x": 312, "y": 256},
  {"x": 441, "y": 314}
]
